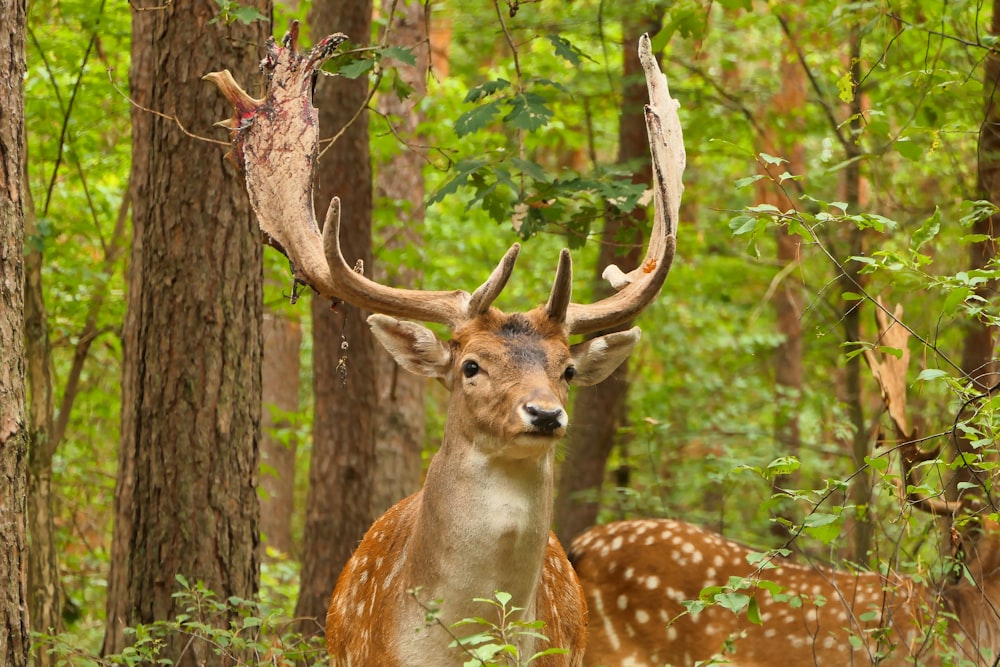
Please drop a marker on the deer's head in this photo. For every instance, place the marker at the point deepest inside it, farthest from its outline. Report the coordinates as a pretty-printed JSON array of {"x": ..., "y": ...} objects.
[{"x": 508, "y": 373}]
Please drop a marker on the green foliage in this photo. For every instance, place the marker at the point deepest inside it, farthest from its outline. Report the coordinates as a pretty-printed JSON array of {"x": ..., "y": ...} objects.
[
  {"x": 527, "y": 149},
  {"x": 231, "y": 11},
  {"x": 243, "y": 632},
  {"x": 494, "y": 643}
]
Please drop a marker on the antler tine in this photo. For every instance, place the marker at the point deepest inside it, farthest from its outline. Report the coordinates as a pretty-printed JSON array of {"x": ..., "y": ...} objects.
[
  {"x": 486, "y": 294},
  {"x": 638, "y": 288},
  {"x": 562, "y": 289},
  {"x": 275, "y": 142}
]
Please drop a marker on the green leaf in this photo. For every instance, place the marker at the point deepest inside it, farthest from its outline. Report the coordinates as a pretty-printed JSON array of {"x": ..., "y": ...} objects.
[
  {"x": 879, "y": 463},
  {"x": 356, "y": 68},
  {"x": 486, "y": 89},
  {"x": 931, "y": 374},
  {"x": 784, "y": 465},
  {"x": 476, "y": 119},
  {"x": 400, "y": 53},
  {"x": 927, "y": 231},
  {"x": 567, "y": 50},
  {"x": 824, "y": 527},
  {"x": 764, "y": 208},
  {"x": 955, "y": 298},
  {"x": 749, "y": 180},
  {"x": 909, "y": 149},
  {"x": 528, "y": 112},
  {"x": 247, "y": 15},
  {"x": 734, "y": 602},
  {"x": 753, "y": 612},
  {"x": 531, "y": 169},
  {"x": 742, "y": 224},
  {"x": 771, "y": 159}
]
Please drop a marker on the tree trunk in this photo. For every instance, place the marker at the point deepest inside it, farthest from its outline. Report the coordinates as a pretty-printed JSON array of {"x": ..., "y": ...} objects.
[
  {"x": 598, "y": 411},
  {"x": 849, "y": 280},
  {"x": 14, "y": 603},
  {"x": 978, "y": 353},
  {"x": 400, "y": 187},
  {"x": 44, "y": 589},
  {"x": 782, "y": 138},
  {"x": 187, "y": 502},
  {"x": 341, "y": 472},
  {"x": 280, "y": 386}
]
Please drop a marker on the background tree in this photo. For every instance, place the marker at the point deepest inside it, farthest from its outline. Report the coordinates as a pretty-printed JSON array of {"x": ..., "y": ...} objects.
[
  {"x": 341, "y": 471},
  {"x": 187, "y": 496},
  {"x": 600, "y": 411},
  {"x": 14, "y": 622},
  {"x": 521, "y": 142},
  {"x": 282, "y": 337},
  {"x": 400, "y": 192}
]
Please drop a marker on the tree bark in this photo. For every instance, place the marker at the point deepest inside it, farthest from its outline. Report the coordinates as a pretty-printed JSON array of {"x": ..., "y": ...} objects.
[
  {"x": 14, "y": 618},
  {"x": 783, "y": 138},
  {"x": 849, "y": 280},
  {"x": 979, "y": 363},
  {"x": 341, "y": 472},
  {"x": 280, "y": 386},
  {"x": 400, "y": 186},
  {"x": 186, "y": 501},
  {"x": 44, "y": 588},
  {"x": 600, "y": 410}
]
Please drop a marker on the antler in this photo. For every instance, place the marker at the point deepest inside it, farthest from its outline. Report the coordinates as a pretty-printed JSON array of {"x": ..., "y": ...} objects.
[
  {"x": 275, "y": 143},
  {"x": 638, "y": 288},
  {"x": 890, "y": 373}
]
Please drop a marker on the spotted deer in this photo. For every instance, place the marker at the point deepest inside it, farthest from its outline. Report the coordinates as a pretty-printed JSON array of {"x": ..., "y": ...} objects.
[
  {"x": 480, "y": 524},
  {"x": 637, "y": 575}
]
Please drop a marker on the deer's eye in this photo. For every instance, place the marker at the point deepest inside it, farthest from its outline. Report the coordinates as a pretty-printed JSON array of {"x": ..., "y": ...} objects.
[
  {"x": 569, "y": 373},
  {"x": 470, "y": 368}
]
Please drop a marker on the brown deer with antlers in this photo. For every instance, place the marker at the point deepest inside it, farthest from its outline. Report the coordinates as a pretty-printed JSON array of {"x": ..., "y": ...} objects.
[
  {"x": 481, "y": 522},
  {"x": 636, "y": 575}
]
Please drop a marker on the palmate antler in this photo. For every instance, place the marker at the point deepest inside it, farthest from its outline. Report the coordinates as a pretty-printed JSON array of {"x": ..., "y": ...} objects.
[
  {"x": 890, "y": 373},
  {"x": 276, "y": 141}
]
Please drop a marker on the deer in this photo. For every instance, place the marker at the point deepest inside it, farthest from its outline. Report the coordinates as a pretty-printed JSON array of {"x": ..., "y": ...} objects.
[
  {"x": 638, "y": 574},
  {"x": 481, "y": 522}
]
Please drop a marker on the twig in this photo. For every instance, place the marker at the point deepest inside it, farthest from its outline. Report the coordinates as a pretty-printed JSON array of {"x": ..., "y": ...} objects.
[{"x": 173, "y": 119}]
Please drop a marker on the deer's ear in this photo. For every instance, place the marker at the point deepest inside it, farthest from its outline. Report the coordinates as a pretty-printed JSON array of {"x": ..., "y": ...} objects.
[
  {"x": 597, "y": 358},
  {"x": 414, "y": 347}
]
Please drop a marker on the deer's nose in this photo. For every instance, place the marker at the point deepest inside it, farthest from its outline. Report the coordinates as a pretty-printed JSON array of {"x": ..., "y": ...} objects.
[{"x": 545, "y": 419}]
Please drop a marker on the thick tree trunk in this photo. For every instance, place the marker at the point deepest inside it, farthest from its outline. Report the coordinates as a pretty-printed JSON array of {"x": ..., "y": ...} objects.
[
  {"x": 14, "y": 603},
  {"x": 400, "y": 186},
  {"x": 280, "y": 387},
  {"x": 979, "y": 361},
  {"x": 341, "y": 473},
  {"x": 599, "y": 411},
  {"x": 187, "y": 502}
]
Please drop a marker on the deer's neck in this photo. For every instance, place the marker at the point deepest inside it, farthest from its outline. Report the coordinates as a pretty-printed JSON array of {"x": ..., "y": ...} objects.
[{"x": 482, "y": 526}]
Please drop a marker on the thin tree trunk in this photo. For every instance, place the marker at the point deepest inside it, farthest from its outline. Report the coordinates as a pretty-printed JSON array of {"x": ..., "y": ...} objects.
[
  {"x": 14, "y": 603},
  {"x": 280, "y": 387},
  {"x": 341, "y": 472},
  {"x": 599, "y": 411},
  {"x": 788, "y": 104},
  {"x": 400, "y": 185},
  {"x": 191, "y": 392},
  {"x": 44, "y": 587},
  {"x": 849, "y": 280}
]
